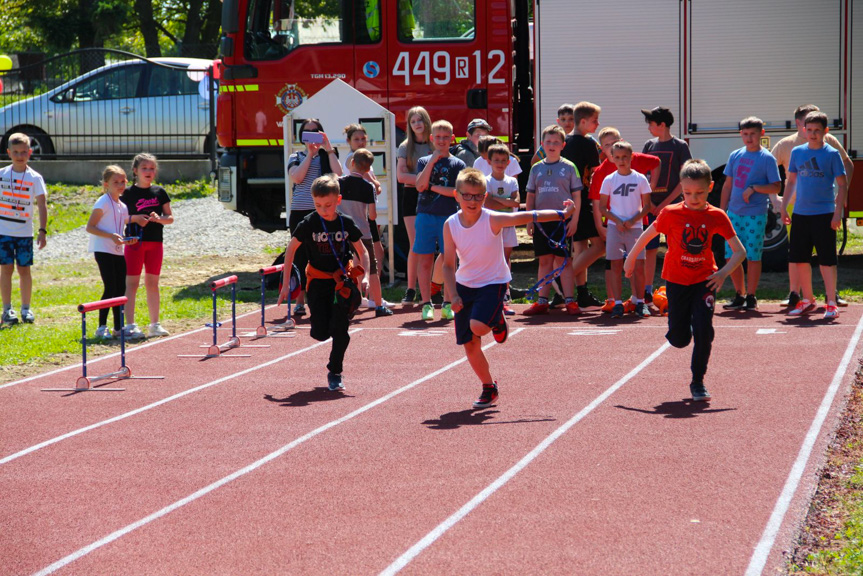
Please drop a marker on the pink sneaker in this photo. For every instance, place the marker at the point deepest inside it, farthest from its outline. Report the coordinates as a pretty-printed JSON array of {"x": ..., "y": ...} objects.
[{"x": 802, "y": 307}]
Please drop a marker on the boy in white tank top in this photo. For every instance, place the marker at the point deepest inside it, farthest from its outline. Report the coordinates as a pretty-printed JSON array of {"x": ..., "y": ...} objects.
[{"x": 477, "y": 288}]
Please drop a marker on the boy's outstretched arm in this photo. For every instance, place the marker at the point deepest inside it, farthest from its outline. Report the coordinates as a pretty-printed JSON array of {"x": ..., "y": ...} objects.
[
  {"x": 499, "y": 220},
  {"x": 285, "y": 293},
  {"x": 629, "y": 264},
  {"x": 715, "y": 280}
]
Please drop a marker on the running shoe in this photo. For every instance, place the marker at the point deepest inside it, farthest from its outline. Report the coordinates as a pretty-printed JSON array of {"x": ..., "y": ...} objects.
[
  {"x": 507, "y": 309},
  {"x": 792, "y": 300},
  {"x": 617, "y": 311},
  {"x": 608, "y": 306},
  {"x": 409, "y": 297},
  {"x": 102, "y": 333},
  {"x": 629, "y": 306},
  {"x": 488, "y": 396},
  {"x": 556, "y": 301},
  {"x": 155, "y": 330},
  {"x": 500, "y": 330},
  {"x": 802, "y": 307},
  {"x": 831, "y": 313},
  {"x": 535, "y": 309},
  {"x": 334, "y": 382},
  {"x": 132, "y": 332},
  {"x": 736, "y": 303},
  {"x": 572, "y": 308},
  {"x": 300, "y": 310},
  {"x": 428, "y": 312},
  {"x": 841, "y": 302},
  {"x": 446, "y": 312},
  {"x": 587, "y": 300},
  {"x": 27, "y": 316},
  {"x": 699, "y": 392},
  {"x": 10, "y": 317},
  {"x": 382, "y": 311},
  {"x": 751, "y": 302},
  {"x": 641, "y": 310}
]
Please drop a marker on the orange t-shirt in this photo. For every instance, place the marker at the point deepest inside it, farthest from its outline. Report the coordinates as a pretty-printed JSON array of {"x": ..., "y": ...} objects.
[{"x": 689, "y": 259}]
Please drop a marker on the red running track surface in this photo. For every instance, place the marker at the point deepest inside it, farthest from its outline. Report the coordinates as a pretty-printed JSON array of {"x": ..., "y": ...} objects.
[{"x": 269, "y": 472}]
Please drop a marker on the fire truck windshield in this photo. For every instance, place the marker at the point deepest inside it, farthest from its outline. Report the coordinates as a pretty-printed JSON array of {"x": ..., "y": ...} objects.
[{"x": 276, "y": 27}]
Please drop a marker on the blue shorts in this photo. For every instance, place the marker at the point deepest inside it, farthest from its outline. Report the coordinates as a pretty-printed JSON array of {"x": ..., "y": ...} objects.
[
  {"x": 750, "y": 230},
  {"x": 16, "y": 250},
  {"x": 484, "y": 304},
  {"x": 429, "y": 233},
  {"x": 654, "y": 242}
]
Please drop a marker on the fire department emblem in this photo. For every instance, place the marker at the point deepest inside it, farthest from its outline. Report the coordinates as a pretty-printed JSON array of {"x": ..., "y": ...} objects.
[{"x": 290, "y": 97}]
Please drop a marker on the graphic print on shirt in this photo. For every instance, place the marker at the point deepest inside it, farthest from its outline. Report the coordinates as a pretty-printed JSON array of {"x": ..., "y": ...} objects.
[
  {"x": 16, "y": 199},
  {"x": 810, "y": 169},
  {"x": 625, "y": 189},
  {"x": 693, "y": 240},
  {"x": 741, "y": 175}
]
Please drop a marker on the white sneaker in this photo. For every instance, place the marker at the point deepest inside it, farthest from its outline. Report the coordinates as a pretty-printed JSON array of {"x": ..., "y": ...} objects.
[
  {"x": 368, "y": 303},
  {"x": 102, "y": 333},
  {"x": 155, "y": 330},
  {"x": 386, "y": 304},
  {"x": 132, "y": 332},
  {"x": 27, "y": 316}
]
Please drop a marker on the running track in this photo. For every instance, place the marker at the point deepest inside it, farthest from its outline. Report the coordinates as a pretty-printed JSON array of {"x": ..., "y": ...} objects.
[{"x": 593, "y": 461}]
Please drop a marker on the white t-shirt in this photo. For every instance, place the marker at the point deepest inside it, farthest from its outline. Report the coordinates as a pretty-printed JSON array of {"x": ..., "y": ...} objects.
[
  {"x": 512, "y": 169},
  {"x": 502, "y": 189},
  {"x": 625, "y": 195},
  {"x": 113, "y": 221},
  {"x": 18, "y": 193},
  {"x": 480, "y": 252}
]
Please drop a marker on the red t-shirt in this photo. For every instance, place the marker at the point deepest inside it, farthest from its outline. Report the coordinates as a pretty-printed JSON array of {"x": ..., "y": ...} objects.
[
  {"x": 643, "y": 163},
  {"x": 689, "y": 259}
]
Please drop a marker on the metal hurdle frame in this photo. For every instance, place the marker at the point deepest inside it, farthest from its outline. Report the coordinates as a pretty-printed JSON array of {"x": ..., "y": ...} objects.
[
  {"x": 217, "y": 350},
  {"x": 289, "y": 324},
  {"x": 84, "y": 382}
]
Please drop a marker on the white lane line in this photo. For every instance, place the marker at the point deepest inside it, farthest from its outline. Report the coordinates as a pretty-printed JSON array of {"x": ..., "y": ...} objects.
[
  {"x": 7, "y": 459},
  {"x": 250, "y": 468},
  {"x": 768, "y": 538},
  {"x": 441, "y": 529},
  {"x": 115, "y": 354}
]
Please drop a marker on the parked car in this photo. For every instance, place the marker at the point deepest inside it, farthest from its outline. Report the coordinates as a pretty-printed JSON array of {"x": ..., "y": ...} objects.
[{"x": 121, "y": 108}]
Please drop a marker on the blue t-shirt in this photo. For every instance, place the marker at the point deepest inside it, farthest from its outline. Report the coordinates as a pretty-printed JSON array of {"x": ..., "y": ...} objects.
[
  {"x": 816, "y": 170},
  {"x": 444, "y": 173},
  {"x": 750, "y": 169}
]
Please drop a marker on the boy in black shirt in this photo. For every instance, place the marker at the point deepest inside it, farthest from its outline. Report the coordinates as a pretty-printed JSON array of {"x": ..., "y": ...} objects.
[{"x": 325, "y": 236}]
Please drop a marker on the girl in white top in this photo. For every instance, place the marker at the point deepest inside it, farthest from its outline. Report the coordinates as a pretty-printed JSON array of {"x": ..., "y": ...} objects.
[
  {"x": 105, "y": 226},
  {"x": 477, "y": 288}
]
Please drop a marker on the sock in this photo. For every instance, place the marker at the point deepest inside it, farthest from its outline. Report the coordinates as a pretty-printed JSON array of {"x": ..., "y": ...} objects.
[
  {"x": 542, "y": 300},
  {"x": 639, "y": 300},
  {"x": 616, "y": 302},
  {"x": 7, "y": 307},
  {"x": 568, "y": 300},
  {"x": 436, "y": 288},
  {"x": 444, "y": 303},
  {"x": 649, "y": 288}
]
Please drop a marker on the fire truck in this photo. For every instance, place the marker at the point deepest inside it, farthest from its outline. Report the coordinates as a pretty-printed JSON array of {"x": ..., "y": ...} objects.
[{"x": 513, "y": 62}]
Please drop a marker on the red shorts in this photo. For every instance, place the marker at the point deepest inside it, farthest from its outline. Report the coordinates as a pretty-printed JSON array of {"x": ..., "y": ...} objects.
[{"x": 144, "y": 255}]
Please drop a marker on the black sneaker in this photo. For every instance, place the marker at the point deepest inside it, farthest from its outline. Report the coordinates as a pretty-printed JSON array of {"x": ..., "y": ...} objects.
[
  {"x": 699, "y": 392},
  {"x": 648, "y": 296},
  {"x": 587, "y": 300},
  {"x": 500, "y": 330},
  {"x": 792, "y": 301},
  {"x": 410, "y": 296},
  {"x": 382, "y": 311},
  {"x": 751, "y": 302},
  {"x": 641, "y": 310},
  {"x": 840, "y": 301},
  {"x": 736, "y": 303},
  {"x": 617, "y": 311},
  {"x": 334, "y": 381},
  {"x": 557, "y": 301},
  {"x": 488, "y": 396}
]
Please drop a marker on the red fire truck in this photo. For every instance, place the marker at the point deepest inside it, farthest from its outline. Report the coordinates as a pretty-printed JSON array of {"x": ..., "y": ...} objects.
[{"x": 712, "y": 63}]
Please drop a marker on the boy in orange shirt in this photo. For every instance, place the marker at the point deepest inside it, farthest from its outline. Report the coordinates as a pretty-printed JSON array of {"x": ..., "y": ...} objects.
[{"x": 689, "y": 270}]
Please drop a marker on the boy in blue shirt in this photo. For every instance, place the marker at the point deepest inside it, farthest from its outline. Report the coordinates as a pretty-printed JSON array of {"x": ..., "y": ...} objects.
[
  {"x": 812, "y": 169},
  {"x": 752, "y": 175}
]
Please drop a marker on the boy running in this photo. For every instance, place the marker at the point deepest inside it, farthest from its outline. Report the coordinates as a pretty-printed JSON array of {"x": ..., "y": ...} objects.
[
  {"x": 477, "y": 288},
  {"x": 689, "y": 270}
]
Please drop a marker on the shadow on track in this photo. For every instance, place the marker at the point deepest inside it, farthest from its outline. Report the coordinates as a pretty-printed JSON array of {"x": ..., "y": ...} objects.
[
  {"x": 679, "y": 410},
  {"x": 474, "y": 417},
  {"x": 306, "y": 397}
]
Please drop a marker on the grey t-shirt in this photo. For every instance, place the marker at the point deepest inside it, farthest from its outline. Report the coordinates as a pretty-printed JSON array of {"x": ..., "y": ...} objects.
[
  {"x": 672, "y": 154},
  {"x": 420, "y": 149},
  {"x": 553, "y": 183}
]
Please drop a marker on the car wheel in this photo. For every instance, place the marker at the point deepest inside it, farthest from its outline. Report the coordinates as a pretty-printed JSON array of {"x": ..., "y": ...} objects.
[
  {"x": 775, "y": 255},
  {"x": 39, "y": 141}
]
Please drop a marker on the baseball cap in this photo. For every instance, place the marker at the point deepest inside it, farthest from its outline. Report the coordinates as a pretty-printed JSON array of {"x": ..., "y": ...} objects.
[
  {"x": 478, "y": 123},
  {"x": 659, "y": 115}
]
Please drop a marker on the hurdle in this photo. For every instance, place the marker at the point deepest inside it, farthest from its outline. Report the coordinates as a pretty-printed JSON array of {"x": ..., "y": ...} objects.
[
  {"x": 124, "y": 373},
  {"x": 217, "y": 350},
  {"x": 289, "y": 324}
]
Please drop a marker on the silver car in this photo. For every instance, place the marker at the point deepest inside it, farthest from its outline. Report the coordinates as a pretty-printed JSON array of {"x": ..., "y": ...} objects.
[{"x": 121, "y": 108}]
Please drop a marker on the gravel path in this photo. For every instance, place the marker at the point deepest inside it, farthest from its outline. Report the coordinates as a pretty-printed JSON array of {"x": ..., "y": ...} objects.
[{"x": 201, "y": 227}]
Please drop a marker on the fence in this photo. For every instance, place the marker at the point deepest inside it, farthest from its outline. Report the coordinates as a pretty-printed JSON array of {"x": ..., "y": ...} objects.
[{"x": 109, "y": 104}]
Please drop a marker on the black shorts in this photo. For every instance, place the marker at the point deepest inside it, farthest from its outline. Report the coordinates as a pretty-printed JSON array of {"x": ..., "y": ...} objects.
[
  {"x": 809, "y": 232},
  {"x": 484, "y": 304},
  {"x": 555, "y": 231},
  {"x": 586, "y": 224},
  {"x": 376, "y": 234},
  {"x": 409, "y": 199},
  {"x": 654, "y": 242}
]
